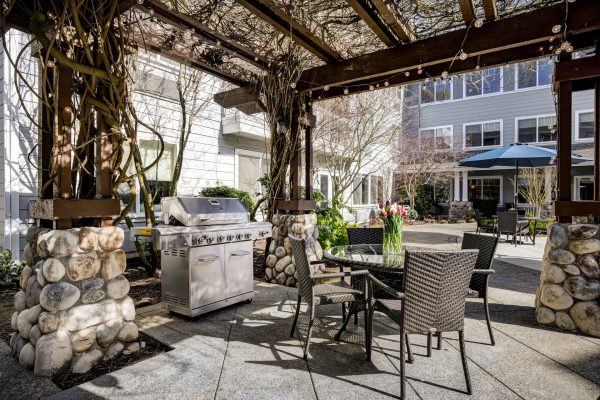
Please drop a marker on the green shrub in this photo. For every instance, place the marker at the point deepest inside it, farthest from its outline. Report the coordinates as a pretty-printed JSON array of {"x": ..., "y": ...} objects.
[
  {"x": 330, "y": 222},
  {"x": 9, "y": 270},
  {"x": 412, "y": 214},
  {"x": 424, "y": 203},
  {"x": 229, "y": 192}
]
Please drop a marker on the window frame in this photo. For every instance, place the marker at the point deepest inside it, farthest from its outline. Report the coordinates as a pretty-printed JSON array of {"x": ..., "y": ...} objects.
[
  {"x": 500, "y": 177},
  {"x": 464, "y": 137},
  {"x": 537, "y": 78},
  {"x": 317, "y": 178},
  {"x": 481, "y": 72},
  {"x": 537, "y": 117},
  {"x": 367, "y": 182},
  {"x": 262, "y": 156},
  {"x": 577, "y": 118},
  {"x": 434, "y": 134},
  {"x": 576, "y": 181},
  {"x": 434, "y": 94}
]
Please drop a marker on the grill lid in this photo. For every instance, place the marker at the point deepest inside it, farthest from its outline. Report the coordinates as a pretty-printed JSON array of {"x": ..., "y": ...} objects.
[{"x": 196, "y": 211}]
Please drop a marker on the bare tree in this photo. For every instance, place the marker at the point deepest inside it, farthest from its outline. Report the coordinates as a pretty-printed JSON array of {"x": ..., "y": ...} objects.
[
  {"x": 357, "y": 133},
  {"x": 537, "y": 189}
]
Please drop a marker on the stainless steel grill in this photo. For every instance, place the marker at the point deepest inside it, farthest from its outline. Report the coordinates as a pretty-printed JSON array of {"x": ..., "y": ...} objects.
[{"x": 206, "y": 249}]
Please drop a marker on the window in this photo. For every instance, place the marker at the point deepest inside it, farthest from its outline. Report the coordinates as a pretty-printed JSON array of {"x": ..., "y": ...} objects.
[
  {"x": 376, "y": 189},
  {"x": 585, "y": 125},
  {"x": 534, "y": 73},
  {"x": 483, "y": 82},
  {"x": 584, "y": 187},
  {"x": 486, "y": 189},
  {"x": 324, "y": 185},
  {"x": 361, "y": 190},
  {"x": 536, "y": 129},
  {"x": 483, "y": 134},
  {"x": 440, "y": 137},
  {"x": 160, "y": 175},
  {"x": 251, "y": 167},
  {"x": 411, "y": 95},
  {"x": 436, "y": 90}
]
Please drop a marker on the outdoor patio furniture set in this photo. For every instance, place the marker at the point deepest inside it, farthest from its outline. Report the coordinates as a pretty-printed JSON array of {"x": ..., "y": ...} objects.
[
  {"x": 512, "y": 225},
  {"x": 422, "y": 290}
]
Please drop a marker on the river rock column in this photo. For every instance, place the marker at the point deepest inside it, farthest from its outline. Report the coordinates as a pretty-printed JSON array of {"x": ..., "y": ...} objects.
[
  {"x": 73, "y": 308},
  {"x": 280, "y": 261},
  {"x": 569, "y": 292}
]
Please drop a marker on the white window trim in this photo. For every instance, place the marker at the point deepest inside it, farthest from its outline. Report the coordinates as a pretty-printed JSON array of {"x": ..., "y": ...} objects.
[
  {"x": 450, "y": 84},
  {"x": 517, "y": 119},
  {"x": 537, "y": 78},
  {"x": 464, "y": 134},
  {"x": 500, "y": 177},
  {"x": 368, "y": 183},
  {"x": 249, "y": 153},
  {"x": 318, "y": 174},
  {"x": 440, "y": 127},
  {"x": 577, "y": 116},
  {"x": 576, "y": 182}
]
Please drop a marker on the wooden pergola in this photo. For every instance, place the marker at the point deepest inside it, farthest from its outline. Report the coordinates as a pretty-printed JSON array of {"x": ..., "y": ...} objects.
[{"x": 393, "y": 48}]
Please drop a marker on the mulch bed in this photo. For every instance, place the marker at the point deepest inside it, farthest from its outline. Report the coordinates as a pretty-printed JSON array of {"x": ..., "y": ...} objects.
[
  {"x": 65, "y": 379},
  {"x": 7, "y": 309},
  {"x": 259, "y": 258}
]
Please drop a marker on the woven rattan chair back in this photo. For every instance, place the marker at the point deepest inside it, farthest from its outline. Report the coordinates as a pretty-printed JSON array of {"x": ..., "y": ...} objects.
[
  {"x": 365, "y": 236},
  {"x": 435, "y": 288},
  {"x": 507, "y": 221},
  {"x": 305, "y": 282},
  {"x": 487, "y": 249}
]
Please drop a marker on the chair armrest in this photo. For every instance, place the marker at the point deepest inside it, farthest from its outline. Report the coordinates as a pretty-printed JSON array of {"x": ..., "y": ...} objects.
[
  {"x": 484, "y": 271},
  {"x": 313, "y": 262},
  {"x": 340, "y": 274},
  {"x": 386, "y": 288}
]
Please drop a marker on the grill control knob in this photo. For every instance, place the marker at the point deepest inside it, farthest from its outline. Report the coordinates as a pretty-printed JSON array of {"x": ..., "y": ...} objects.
[
  {"x": 247, "y": 235},
  {"x": 238, "y": 236},
  {"x": 210, "y": 239},
  {"x": 229, "y": 238},
  {"x": 220, "y": 238}
]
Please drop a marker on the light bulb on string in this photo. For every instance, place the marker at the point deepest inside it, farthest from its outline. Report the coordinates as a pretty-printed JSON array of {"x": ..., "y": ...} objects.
[
  {"x": 556, "y": 29},
  {"x": 419, "y": 71},
  {"x": 558, "y": 51},
  {"x": 427, "y": 80},
  {"x": 407, "y": 73},
  {"x": 386, "y": 84},
  {"x": 140, "y": 2},
  {"x": 445, "y": 74},
  {"x": 326, "y": 87},
  {"x": 478, "y": 23},
  {"x": 569, "y": 49},
  {"x": 255, "y": 59},
  {"x": 435, "y": 82},
  {"x": 264, "y": 73},
  {"x": 293, "y": 85},
  {"x": 150, "y": 11},
  {"x": 50, "y": 64},
  {"x": 463, "y": 56},
  {"x": 346, "y": 91},
  {"x": 218, "y": 43},
  {"x": 371, "y": 87},
  {"x": 377, "y": 85}
]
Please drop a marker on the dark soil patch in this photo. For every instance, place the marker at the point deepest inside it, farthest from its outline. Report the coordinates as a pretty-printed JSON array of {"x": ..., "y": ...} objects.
[
  {"x": 7, "y": 308},
  {"x": 144, "y": 290},
  {"x": 65, "y": 379},
  {"x": 259, "y": 258}
]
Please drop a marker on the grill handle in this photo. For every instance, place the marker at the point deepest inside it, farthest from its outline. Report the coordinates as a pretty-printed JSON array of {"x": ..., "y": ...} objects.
[
  {"x": 239, "y": 253},
  {"x": 208, "y": 258}
]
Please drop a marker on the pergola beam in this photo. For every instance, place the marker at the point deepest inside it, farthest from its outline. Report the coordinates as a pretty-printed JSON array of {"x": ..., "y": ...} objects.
[
  {"x": 467, "y": 8},
  {"x": 272, "y": 14},
  {"x": 507, "y": 33},
  {"x": 369, "y": 13},
  {"x": 490, "y": 10},
  {"x": 183, "y": 21},
  {"x": 499, "y": 58},
  {"x": 404, "y": 33}
]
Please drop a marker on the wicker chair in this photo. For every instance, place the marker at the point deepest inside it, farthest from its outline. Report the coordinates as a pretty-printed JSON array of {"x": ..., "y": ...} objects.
[
  {"x": 508, "y": 223},
  {"x": 433, "y": 298},
  {"x": 478, "y": 287},
  {"x": 365, "y": 236},
  {"x": 325, "y": 293},
  {"x": 481, "y": 225}
]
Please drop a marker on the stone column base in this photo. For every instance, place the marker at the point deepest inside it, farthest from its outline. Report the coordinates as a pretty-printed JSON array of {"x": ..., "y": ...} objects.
[
  {"x": 280, "y": 261},
  {"x": 458, "y": 210},
  {"x": 73, "y": 308},
  {"x": 569, "y": 292}
]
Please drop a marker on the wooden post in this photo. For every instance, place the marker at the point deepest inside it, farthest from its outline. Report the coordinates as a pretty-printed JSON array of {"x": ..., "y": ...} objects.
[
  {"x": 296, "y": 162},
  {"x": 597, "y": 135},
  {"x": 46, "y": 140},
  {"x": 564, "y": 144},
  {"x": 308, "y": 154},
  {"x": 63, "y": 122},
  {"x": 104, "y": 151}
]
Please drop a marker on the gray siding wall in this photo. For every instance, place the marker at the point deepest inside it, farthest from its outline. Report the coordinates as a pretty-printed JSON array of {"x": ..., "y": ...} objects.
[{"x": 505, "y": 107}]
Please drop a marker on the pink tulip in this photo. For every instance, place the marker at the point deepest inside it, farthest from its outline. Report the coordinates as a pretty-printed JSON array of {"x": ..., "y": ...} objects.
[{"x": 383, "y": 213}]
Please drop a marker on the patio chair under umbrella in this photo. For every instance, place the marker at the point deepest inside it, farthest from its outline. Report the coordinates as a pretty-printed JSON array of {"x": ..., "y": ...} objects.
[{"x": 516, "y": 155}]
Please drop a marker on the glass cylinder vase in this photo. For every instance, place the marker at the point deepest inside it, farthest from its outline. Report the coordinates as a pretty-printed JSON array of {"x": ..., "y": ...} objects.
[{"x": 392, "y": 237}]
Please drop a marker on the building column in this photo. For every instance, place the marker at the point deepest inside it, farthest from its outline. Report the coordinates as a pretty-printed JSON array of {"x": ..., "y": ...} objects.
[
  {"x": 465, "y": 186},
  {"x": 456, "y": 186},
  {"x": 548, "y": 182}
]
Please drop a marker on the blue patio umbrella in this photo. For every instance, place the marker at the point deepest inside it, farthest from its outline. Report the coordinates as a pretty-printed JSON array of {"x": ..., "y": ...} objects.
[{"x": 516, "y": 155}]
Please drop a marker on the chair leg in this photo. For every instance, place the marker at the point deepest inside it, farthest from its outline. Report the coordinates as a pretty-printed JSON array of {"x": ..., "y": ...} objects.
[
  {"x": 411, "y": 359},
  {"x": 296, "y": 317},
  {"x": 309, "y": 335},
  {"x": 429, "y": 335},
  {"x": 356, "y": 319},
  {"x": 463, "y": 355},
  {"x": 439, "y": 340},
  {"x": 402, "y": 366},
  {"x": 368, "y": 331},
  {"x": 343, "y": 327},
  {"x": 487, "y": 319},
  {"x": 343, "y": 311}
]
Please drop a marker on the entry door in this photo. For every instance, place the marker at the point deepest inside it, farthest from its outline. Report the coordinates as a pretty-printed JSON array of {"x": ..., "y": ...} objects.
[
  {"x": 239, "y": 274},
  {"x": 207, "y": 278}
]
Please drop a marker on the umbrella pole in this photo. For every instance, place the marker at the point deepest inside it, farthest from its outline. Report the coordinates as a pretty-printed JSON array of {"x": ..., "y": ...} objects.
[{"x": 517, "y": 185}]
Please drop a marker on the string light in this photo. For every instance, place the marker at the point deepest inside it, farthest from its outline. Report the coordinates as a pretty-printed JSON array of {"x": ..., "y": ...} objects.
[
  {"x": 377, "y": 85},
  {"x": 346, "y": 91},
  {"x": 293, "y": 85},
  {"x": 407, "y": 73},
  {"x": 386, "y": 84},
  {"x": 427, "y": 80},
  {"x": 463, "y": 56},
  {"x": 218, "y": 43},
  {"x": 255, "y": 59},
  {"x": 556, "y": 29},
  {"x": 50, "y": 64},
  {"x": 264, "y": 73},
  {"x": 50, "y": 15},
  {"x": 419, "y": 71},
  {"x": 140, "y": 2},
  {"x": 150, "y": 11},
  {"x": 558, "y": 51},
  {"x": 478, "y": 23},
  {"x": 326, "y": 87},
  {"x": 371, "y": 87},
  {"x": 269, "y": 65},
  {"x": 445, "y": 74}
]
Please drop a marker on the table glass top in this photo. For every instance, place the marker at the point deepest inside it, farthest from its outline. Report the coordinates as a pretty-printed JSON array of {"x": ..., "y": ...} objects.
[{"x": 365, "y": 253}]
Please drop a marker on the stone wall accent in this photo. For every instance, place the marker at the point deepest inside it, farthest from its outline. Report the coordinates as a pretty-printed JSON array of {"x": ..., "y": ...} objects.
[
  {"x": 569, "y": 292},
  {"x": 458, "y": 210},
  {"x": 73, "y": 308},
  {"x": 280, "y": 261}
]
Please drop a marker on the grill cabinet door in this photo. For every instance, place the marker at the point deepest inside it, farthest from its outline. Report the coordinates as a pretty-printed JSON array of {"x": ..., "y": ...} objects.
[
  {"x": 239, "y": 274},
  {"x": 207, "y": 279}
]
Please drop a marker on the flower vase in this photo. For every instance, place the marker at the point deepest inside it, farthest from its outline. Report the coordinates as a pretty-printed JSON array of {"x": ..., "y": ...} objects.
[{"x": 392, "y": 237}]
